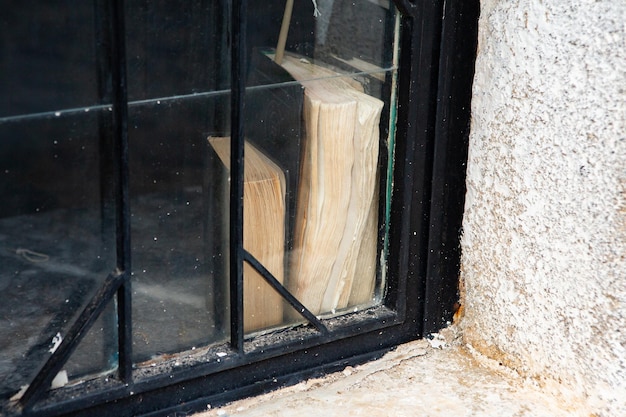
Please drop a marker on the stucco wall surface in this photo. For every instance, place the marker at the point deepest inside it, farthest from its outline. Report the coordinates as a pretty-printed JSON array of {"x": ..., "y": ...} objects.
[{"x": 544, "y": 233}]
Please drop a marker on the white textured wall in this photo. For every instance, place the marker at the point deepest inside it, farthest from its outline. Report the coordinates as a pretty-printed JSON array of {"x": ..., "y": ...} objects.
[{"x": 544, "y": 244}]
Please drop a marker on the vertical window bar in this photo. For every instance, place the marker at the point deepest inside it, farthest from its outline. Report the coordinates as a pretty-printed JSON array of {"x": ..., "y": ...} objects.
[
  {"x": 120, "y": 133},
  {"x": 110, "y": 37},
  {"x": 238, "y": 75}
]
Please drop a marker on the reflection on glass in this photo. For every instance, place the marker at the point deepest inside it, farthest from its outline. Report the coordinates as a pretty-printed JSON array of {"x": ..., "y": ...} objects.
[{"x": 318, "y": 114}]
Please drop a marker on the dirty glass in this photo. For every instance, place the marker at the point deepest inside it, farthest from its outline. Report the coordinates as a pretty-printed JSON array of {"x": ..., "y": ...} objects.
[
  {"x": 178, "y": 96},
  {"x": 179, "y": 130},
  {"x": 317, "y": 116},
  {"x": 317, "y": 132},
  {"x": 57, "y": 240}
]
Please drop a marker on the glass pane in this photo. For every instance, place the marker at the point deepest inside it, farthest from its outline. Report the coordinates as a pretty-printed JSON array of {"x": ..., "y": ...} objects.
[
  {"x": 178, "y": 98},
  {"x": 176, "y": 48},
  {"x": 56, "y": 233},
  {"x": 317, "y": 129},
  {"x": 97, "y": 352},
  {"x": 57, "y": 241},
  {"x": 44, "y": 65}
]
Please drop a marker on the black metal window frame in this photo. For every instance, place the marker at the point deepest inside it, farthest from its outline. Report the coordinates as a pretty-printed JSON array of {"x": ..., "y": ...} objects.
[{"x": 437, "y": 50}]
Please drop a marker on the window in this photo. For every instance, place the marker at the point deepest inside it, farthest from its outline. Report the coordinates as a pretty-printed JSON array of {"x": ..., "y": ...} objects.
[{"x": 203, "y": 200}]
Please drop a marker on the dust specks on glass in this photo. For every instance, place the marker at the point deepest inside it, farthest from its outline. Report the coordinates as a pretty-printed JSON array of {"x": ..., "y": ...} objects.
[
  {"x": 317, "y": 113},
  {"x": 317, "y": 143}
]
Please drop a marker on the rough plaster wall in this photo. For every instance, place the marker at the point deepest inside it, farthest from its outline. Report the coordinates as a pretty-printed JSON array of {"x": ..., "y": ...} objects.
[{"x": 544, "y": 243}]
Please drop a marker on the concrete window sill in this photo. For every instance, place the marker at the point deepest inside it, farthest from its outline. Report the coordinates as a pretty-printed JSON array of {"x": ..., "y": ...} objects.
[{"x": 441, "y": 377}]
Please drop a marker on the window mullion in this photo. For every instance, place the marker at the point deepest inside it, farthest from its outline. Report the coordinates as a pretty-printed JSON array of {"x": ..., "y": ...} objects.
[
  {"x": 120, "y": 132},
  {"x": 238, "y": 77}
]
